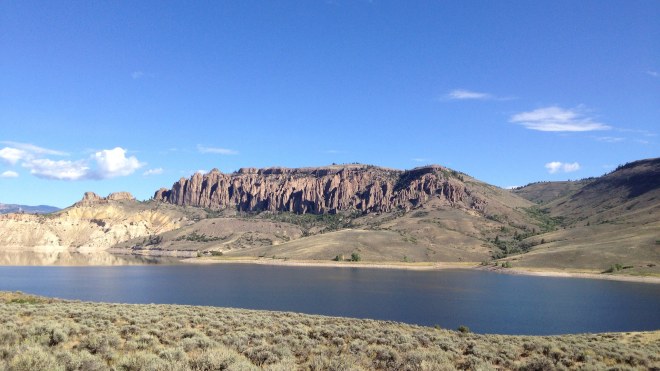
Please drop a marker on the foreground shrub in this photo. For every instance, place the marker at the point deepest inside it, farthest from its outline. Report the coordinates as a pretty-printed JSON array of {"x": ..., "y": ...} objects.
[
  {"x": 34, "y": 358},
  {"x": 220, "y": 358}
]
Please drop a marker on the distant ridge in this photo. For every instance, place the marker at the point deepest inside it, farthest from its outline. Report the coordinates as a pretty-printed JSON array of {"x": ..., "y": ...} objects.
[
  {"x": 39, "y": 209},
  {"x": 588, "y": 197}
]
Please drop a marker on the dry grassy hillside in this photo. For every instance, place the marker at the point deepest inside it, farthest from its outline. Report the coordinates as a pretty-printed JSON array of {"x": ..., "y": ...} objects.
[
  {"x": 609, "y": 222},
  {"x": 544, "y": 192}
]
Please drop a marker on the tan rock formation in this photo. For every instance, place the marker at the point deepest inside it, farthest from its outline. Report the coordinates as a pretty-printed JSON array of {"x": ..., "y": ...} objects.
[
  {"x": 322, "y": 190},
  {"x": 120, "y": 196},
  {"x": 91, "y": 227},
  {"x": 91, "y": 198}
]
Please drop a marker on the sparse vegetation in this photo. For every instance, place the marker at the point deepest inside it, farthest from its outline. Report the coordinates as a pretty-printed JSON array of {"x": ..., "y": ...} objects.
[
  {"x": 48, "y": 334},
  {"x": 617, "y": 267},
  {"x": 153, "y": 240},
  {"x": 514, "y": 237},
  {"x": 355, "y": 257},
  {"x": 195, "y": 237},
  {"x": 542, "y": 216},
  {"x": 314, "y": 223},
  {"x": 99, "y": 222}
]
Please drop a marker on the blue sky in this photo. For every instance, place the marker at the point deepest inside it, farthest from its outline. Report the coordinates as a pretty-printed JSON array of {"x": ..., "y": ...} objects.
[{"x": 113, "y": 96}]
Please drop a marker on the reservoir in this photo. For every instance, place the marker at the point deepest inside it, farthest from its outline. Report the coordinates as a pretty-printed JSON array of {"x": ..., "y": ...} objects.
[{"x": 486, "y": 302}]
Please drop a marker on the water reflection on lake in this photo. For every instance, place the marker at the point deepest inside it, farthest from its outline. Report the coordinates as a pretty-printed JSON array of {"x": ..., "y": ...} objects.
[
  {"x": 69, "y": 258},
  {"x": 484, "y": 301}
]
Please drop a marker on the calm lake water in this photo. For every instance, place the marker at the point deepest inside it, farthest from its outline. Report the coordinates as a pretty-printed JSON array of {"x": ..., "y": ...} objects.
[{"x": 486, "y": 302}]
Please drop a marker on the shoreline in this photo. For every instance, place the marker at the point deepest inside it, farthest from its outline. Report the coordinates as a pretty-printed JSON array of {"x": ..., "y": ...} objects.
[
  {"x": 422, "y": 266},
  {"x": 546, "y": 272},
  {"x": 426, "y": 266}
]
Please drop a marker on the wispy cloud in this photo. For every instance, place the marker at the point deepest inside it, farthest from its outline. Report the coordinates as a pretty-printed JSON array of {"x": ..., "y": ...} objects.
[
  {"x": 645, "y": 133},
  {"x": 556, "y": 167},
  {"x": 610, "y": 139},
  {"x": 34, "y": 149},
  {"x": 653, "y": 73},
  {"x": 9, "y": 174},
  {"x": 420, "y": 159},
  {"x": 216, "y": 150},
  {"x": 334, "y": 151},
  {"x": 15, "y": 152},
  {"x": 107, "y": 163},
  {"x": 155, "y": 171},
  {"x": 462, "y": 94},
  {"x": 555, "y": 118},
  {"x": 137, "y": 75}
]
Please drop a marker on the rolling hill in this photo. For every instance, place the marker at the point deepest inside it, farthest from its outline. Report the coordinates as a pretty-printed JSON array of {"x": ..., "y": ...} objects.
[{"x": 606, "y": 221}]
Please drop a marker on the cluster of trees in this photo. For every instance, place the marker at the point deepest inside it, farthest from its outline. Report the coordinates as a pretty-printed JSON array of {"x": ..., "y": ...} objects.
[{"x": 355, "y": 257}]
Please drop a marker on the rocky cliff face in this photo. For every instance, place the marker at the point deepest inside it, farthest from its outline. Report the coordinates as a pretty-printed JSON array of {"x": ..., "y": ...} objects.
[{"x": 322, "y": 190}]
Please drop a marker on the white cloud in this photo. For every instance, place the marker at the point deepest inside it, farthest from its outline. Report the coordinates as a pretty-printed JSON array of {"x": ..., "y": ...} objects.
[
  {"x": 60, "y": 170},
  {"x": 653, "y": 73},
  {"x": 156, "y": 171},
  {"x": 462, "y": 94},
  {"x": 201, "y": 171},
  {"x": 12, "y": 155},
  {"x": 113, "y": 162},
  {"x": 556, "y": 166},
  {"x": 137, "y": 75},
  {"x": 109, "y": 163},
  {"x": 9, "y": 174},
  {"x": 216, "y": 150},
  {"x": 419, "y": 159},
  {"x": 555, "y": 118},
  {"x": 553, "y": 167}
]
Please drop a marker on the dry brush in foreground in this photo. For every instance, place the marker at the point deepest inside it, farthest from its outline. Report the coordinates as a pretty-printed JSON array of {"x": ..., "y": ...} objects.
[{"x": 38, "y": 333}]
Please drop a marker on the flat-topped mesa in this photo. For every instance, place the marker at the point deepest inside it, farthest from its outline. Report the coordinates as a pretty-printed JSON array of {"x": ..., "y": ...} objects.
[
  {"x": 91, "y": 198},
  {"x": 320, "y": 190},
  {"x": 120, "y": 196}
]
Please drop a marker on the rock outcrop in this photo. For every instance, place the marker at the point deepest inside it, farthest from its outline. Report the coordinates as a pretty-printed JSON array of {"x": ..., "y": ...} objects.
[
  {"x": 91, "y": 198},
  {"x": 322, "y": 190}
]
